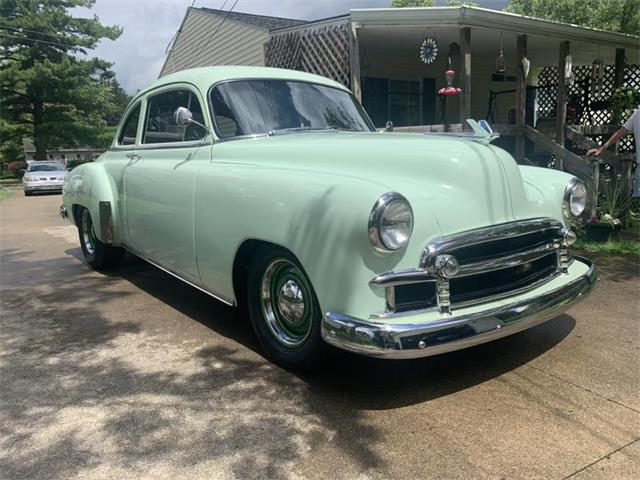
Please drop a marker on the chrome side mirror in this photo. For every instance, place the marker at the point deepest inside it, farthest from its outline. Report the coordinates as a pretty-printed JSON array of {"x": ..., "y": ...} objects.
[
  {"x": 388, "y": 127},
  {"x": 182, "y": 116}
]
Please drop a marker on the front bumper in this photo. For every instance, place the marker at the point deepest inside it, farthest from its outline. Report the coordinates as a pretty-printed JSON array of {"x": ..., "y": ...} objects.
[
  {"x": 460, "y": 329},
  {"x": 49, "y": 186}
]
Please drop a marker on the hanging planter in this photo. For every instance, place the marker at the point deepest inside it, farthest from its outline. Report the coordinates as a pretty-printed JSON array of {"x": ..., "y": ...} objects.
[
  {"x": 597, "y": 77},
  {"x": 569, "y": 78},
  {"x": 429, "y": 50},
  {"x": 501, "y": 63},
  {"x": 526, "y": 65}
]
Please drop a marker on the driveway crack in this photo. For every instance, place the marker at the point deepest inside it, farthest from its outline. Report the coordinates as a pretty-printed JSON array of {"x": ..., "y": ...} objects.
[
  {"x": 557, "y": 377},
  {"x": 601, "y": 458}
]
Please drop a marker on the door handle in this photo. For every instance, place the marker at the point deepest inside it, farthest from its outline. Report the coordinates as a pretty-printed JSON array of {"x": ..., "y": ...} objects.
[{"x": 133, "y": 157}]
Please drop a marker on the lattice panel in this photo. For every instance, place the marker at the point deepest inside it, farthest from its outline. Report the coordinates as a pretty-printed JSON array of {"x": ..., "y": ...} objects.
[
  {"x": 584, "y": 107},
  {"x": 323, "y": 51}
]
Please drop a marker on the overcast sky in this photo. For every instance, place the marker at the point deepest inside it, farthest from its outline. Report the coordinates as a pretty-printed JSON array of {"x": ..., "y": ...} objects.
[{"x": 148, "y": 26}]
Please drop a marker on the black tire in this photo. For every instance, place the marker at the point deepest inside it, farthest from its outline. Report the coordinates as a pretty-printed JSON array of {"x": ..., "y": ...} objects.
[
  {"x": 290, "y": 336},
  {"x": 27, "y": 193},
  {"x": 97, "y": 255}
]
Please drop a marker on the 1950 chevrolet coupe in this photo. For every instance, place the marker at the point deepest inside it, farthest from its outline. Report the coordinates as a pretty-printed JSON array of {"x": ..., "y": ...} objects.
[{"x": 271, "y": 189}]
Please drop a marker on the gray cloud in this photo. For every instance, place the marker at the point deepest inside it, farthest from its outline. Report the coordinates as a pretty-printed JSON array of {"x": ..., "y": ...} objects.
[{"x": 148, "y": 25}]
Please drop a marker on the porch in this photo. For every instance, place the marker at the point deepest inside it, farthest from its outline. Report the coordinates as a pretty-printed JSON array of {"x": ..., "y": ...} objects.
[{"x": 548, "y": 115}]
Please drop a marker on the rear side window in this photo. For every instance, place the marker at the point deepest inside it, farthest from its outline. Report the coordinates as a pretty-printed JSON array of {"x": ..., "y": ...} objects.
[
  {"x": 161, "y": 127},
  {"x": 130, "y": 127}
]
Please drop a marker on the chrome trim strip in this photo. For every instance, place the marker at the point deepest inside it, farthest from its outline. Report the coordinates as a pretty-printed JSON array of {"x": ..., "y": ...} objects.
[
  {"x": 486, "y": 234},
  {"x": 401, "y": 277},
  {"x": 419, "y": 275},
  {"x": 487, "y": 299},
  {"x": 378, "y": 339},
  {"x": 216, "y": 296},
  {"x": 508, "y": 261}
]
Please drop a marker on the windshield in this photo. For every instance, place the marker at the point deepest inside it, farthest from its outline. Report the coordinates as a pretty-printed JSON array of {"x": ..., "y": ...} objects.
[
  {"x": 46, "y": 167},
  {"x": 248, "y": 107}
]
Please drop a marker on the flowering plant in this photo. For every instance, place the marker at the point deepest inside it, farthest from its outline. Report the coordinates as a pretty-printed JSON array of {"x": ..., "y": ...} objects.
[{"x": 612, "y": 207}]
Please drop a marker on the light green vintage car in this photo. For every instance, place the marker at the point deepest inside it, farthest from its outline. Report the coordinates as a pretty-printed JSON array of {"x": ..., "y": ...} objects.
[{"x": 271, "y": 189}]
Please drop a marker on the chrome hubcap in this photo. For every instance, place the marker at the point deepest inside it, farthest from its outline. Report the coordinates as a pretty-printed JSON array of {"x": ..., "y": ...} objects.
[
  {"x": 88, "y": 234},
  {"x": 291, "y": 302},
  {"x": 286, "y": 302}
]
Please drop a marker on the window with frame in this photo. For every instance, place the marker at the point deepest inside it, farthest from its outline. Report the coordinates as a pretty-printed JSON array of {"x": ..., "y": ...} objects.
[
  {"x": 404, "y": 102},
  {"x": 130, "y": 127},
  {"x": 160, "y": 125}
]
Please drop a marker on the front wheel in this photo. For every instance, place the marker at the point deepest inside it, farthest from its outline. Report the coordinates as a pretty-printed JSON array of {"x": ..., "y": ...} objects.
[
  {"x": 284, "y": 310},
  {"x": 98, "y": 255}
]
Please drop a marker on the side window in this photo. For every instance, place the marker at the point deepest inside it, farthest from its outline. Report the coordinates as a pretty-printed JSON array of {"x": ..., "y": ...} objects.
[
  {"x": 130, "y": 128},
  {"x": 160, "y": 126}
]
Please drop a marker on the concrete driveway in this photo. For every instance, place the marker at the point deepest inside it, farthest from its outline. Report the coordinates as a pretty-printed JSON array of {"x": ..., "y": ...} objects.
[{"x": 136, "y": 375}]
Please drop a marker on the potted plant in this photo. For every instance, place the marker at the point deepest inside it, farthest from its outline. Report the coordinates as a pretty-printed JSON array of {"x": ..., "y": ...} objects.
[{"x": 606, "y": 223}]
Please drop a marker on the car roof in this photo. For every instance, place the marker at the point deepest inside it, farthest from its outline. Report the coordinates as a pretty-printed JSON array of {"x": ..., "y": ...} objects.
[{"x": 204, "y": 77}]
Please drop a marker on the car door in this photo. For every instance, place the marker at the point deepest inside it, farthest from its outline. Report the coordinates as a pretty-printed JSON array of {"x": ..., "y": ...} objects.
[
  {"x": 120, "y": 154},
  {"x": 159, "y": 181}
]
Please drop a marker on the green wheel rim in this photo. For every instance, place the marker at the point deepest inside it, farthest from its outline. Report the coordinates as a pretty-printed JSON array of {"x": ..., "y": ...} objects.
[{"x": 287, "y": 303}]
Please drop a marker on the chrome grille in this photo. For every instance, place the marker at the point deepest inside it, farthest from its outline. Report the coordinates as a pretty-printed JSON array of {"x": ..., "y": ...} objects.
[{"x": 493, "y": 262}]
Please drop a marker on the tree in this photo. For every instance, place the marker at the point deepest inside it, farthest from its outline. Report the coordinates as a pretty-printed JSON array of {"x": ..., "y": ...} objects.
[
  {"x": 457, "y": 3},
  {"x": 411, "y": 3},
  {"x": 47, "y": 90},
  {"x": 614, "y": 15}
]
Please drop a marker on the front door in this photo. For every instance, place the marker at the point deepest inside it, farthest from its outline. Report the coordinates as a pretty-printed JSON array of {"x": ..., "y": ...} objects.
[{"x": 159, "y": 182}]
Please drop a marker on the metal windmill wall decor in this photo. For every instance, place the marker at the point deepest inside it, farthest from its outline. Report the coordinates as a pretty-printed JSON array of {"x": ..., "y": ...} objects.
[{"x": 429, "y": 50}]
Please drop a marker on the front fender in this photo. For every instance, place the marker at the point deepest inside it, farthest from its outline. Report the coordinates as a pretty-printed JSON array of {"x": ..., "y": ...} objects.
[
  {"x": 545, "y": 187},
  {"x": 89, "y": 186},
  {"x": 321, "y": 218}
]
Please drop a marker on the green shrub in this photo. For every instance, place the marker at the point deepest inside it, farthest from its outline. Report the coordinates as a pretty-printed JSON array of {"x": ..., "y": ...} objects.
[
  {"x": 71, "y": 164},
  {"x": 15, "y": 167}
]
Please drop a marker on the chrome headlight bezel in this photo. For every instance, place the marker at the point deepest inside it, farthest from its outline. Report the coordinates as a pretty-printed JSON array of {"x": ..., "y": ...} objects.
[
  {"x": 376, "y": 217},
  {"x": 574, "y": 186}
]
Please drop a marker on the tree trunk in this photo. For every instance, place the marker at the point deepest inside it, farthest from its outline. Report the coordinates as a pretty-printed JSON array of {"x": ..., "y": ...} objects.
[{"x": 38, "y": 141}]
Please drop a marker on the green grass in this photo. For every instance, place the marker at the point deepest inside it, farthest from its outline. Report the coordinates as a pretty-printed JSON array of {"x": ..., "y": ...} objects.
[
  {"x": 4, "y": 193},
  {"x": 10, "y": 181},
  {"x": 623, "y": 247}
]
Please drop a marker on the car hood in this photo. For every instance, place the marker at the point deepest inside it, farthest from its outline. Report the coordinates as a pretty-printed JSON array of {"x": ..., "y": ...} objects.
[{"x": 460, "y": 183}]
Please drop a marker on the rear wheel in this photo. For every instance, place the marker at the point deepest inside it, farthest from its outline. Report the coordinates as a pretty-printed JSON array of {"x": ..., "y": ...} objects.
[
  {"x": 28, "y": 193},
  {"x": 284, "y": 309},
  {"x": 98, "y": 255}
]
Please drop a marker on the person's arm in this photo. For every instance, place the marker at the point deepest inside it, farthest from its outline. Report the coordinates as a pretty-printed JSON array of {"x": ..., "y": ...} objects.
[{"x": 621, "y": 132}]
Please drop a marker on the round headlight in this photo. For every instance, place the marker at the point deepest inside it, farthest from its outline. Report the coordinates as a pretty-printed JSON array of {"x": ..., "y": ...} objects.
[
  {"x": 575, "y": 198},
  {"x": 390, "y": 223}
]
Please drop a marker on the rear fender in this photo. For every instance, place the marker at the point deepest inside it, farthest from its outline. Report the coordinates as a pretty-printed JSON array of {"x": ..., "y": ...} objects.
[{"x": 89, "y": 186}]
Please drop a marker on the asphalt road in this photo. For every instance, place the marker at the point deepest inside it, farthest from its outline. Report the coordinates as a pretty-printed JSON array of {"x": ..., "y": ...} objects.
[{"x": 136, "y": 375}]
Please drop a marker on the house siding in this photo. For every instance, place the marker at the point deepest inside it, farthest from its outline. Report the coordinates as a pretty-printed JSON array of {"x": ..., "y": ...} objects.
[{"x": 234, "y": 44}]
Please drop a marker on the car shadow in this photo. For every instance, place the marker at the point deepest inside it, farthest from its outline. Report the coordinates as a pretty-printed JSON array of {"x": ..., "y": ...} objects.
[
  {"x": 345, "y": 377},
  {"x": 70, "y": 352}
]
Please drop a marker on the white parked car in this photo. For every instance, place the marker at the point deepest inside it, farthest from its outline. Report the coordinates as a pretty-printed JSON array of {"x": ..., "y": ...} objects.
[{"x": 44, "y": 176}]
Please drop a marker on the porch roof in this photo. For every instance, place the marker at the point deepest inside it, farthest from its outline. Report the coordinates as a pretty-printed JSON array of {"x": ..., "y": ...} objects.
[{"x": 468, "y": 16}]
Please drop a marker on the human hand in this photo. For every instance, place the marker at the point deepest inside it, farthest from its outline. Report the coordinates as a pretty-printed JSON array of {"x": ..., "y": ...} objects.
[{"x": 594, "y": 151}]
